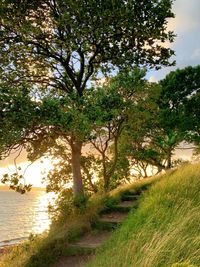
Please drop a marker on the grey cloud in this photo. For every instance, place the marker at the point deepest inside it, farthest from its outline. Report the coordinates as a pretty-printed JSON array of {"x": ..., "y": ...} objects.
[{"x": 187, "y": 43}]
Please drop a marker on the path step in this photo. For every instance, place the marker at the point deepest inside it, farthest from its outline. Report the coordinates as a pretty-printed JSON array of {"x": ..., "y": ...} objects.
[
  {"x": 129, "y": 197},
  {"x": 88, "y": 243},
  {"x": 73, "y": 261},
  {"x": 125, "y": 206},
  {"x": 109, "y": 221},
  {"x": 113, "y": 217}
]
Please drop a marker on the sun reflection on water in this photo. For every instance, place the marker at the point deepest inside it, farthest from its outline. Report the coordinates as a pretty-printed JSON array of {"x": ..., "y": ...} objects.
[
  {"x": 41, "y": 216},
  {"x": 22, "y": 215}
]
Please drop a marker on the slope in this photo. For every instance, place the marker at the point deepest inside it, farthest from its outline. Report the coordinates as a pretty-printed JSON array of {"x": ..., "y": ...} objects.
[{"x": 164, "y": 231}]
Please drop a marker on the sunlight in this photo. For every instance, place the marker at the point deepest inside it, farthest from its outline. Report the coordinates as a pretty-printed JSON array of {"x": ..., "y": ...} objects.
[
  {"x": 33, "y": 173},
  {"x": 41, "y": 212}
]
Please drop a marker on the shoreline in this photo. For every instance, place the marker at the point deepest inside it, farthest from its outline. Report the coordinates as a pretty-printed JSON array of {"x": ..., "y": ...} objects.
[
  {"x": 7, "y": 188},
  {"x": 14, "y": 241}
]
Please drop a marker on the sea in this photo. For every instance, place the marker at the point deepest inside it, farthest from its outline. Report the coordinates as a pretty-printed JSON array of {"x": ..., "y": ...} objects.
[{"x": 22, "y": 215}]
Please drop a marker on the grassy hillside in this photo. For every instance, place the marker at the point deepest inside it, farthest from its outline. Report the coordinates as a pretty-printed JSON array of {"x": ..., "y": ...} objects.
[
  {"x": 45, "y": 249},
  {"x": 165, "y": 229}
]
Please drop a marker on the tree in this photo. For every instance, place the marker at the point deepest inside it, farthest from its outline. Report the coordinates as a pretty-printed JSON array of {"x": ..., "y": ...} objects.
[
  {"x": 138, "y": 141},
  {"x": 119, "y": 95},
  {"x": 179, "y": 108},
  {"x": 107, "y": 106},
  {"x": 176, "y": 118},
  {"x": 56, "y": 47},
  {"x": 167, "y": 119}
]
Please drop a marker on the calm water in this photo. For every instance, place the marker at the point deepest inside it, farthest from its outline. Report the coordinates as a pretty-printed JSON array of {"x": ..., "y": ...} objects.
[{"x": 21, "y": 215}]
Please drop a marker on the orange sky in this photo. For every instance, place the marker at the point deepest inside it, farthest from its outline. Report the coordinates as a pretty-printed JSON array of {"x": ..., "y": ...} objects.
[
  {"x": 37, "y": 170},
  {"x": 33, "y": 174}
]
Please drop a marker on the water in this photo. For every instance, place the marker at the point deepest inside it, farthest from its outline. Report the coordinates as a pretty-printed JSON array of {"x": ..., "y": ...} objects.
[{"x": 21, "y": 215}]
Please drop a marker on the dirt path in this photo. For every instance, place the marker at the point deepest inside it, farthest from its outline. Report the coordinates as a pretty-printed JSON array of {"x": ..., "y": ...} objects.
[
  {"x": 73, "y": 261},
  {"x": 83, "y": 250}
]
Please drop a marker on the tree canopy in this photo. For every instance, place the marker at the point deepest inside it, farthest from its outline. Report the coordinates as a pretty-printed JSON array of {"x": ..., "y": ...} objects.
[
  {"x": 179, "y": 99},
  {"x": 55, "y": 48},
  {"x": 169, "y": 117},
  {"x": 61, "y": 44}
]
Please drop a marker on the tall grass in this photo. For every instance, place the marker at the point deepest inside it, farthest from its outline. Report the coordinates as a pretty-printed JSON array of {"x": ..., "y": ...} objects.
[
  {"x": 42, "y": 250},
  {"x": 164, "y": 231}
]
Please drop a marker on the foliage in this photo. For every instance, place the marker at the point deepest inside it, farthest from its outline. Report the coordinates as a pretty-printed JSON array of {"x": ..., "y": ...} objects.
[
  {"x": 114, "y": 103},
  {"x": 84, "y": 33},
  {"x": 55, "y": 48},
  {"x": 168, "y": 116},
  {"x": 17, "y": 113},
  {"x": 178, "y": 103},
  {"x": 137, "y": 141},
  {"x": 14, "y": 180}
]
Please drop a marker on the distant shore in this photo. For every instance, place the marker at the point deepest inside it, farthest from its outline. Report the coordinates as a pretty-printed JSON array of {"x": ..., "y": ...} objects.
[
  {"x": 15, "y": 241},
  {"x": 6, "y": 188}
]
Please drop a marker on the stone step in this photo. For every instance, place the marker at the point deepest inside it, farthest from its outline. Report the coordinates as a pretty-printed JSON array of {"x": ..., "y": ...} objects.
[
  {"x": 89, "y": 242},
  {"x": 131, "y": 197},
  {"x": 73, "y": 261},
  {"x": 114, "y": 217},
  {"x": 125, "y": 206}
]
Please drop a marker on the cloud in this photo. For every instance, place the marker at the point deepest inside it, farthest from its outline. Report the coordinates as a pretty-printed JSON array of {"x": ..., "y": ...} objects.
[
  {"x": 186, "y": 45},
  {"x": 186, "y": 16},
  {"x": 196, "y": 54}
]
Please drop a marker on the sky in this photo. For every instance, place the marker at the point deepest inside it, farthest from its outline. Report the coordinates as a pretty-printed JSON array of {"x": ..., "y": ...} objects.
[
  {"x": 186, "y": 26},
  {"x": 33, "y": 173}
]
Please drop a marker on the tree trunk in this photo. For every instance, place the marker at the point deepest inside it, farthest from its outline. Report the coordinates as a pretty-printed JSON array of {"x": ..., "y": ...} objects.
[
  {"x": 145, "y": 172},
  {"x": 169, "y": 159},
  {"x": 89, "y": 179},
  {"x": 110, "y": 172},
  {"x": 76, "y": 168},
  {"x": 105, "y": 178},
  {"x": 106, "y": 183}
]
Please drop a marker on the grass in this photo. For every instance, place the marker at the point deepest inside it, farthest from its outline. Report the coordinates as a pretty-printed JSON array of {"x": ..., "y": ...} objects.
[
  {"x": 43, "y": 250},
  {"x": 164, "y": 231}
]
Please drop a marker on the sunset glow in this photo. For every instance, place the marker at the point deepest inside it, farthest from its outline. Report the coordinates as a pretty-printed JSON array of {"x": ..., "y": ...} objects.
[{"x": 33, "y": 173}]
